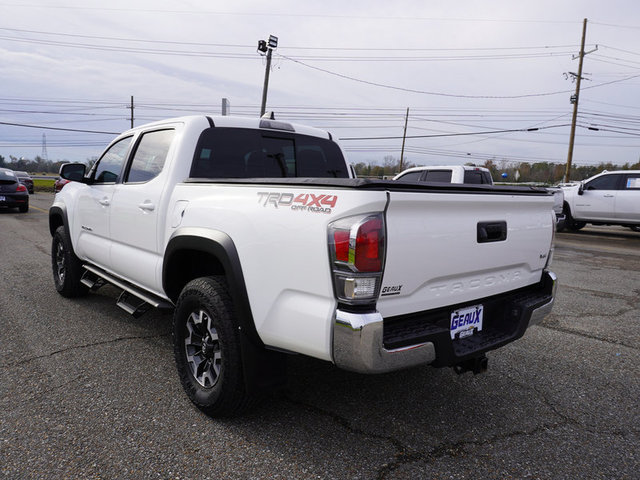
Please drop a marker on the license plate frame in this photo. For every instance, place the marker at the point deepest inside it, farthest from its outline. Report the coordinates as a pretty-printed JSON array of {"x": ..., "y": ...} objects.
[{"x": 466, "y": 321}]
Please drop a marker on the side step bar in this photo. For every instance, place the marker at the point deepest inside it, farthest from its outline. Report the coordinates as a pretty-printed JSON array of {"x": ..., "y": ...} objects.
[{"x": 132, "y": 300}]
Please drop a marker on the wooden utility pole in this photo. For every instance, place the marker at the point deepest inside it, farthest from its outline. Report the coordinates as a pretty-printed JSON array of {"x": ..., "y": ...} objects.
[
  {"x": 575, "y": 99},
  {"x": 404, "y": 137}
]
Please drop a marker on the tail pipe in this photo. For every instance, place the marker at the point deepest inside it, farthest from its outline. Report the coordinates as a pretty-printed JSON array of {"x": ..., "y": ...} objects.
[{"x": 476, "y": 365}]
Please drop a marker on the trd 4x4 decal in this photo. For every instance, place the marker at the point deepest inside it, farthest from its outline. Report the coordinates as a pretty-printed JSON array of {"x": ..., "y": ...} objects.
[{"x": 309, "y": 202}]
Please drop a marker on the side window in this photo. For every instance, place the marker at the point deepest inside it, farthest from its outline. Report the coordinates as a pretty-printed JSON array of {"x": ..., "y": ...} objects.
[
  {"x": 441, "y": 176},
  {"x": 606, "y": 182},
  {"x": 633, "y": 182},
  {"x": 150, "y": 156},
  {"x": 410, "y": 177},
  {"x": 109, "y": 167}
]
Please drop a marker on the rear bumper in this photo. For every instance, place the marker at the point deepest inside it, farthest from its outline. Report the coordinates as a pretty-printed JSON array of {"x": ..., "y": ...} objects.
[
  {"x": 14, "y": 199},
  {"x": 367, "y": 343}
]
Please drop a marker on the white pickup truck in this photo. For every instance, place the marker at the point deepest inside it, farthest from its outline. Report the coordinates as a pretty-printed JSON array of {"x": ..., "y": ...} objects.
[
  {"x": 609, "y": 198},
  {"x": 447, "y": 174},
  {"x": 254, "y": 234}
]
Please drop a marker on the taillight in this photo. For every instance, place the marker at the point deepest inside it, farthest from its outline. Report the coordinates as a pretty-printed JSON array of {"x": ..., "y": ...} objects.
[
  {"x": 369, "y": 240},
  {"x": 21, "y": 188},
  {"x": 357, "y": 249}
]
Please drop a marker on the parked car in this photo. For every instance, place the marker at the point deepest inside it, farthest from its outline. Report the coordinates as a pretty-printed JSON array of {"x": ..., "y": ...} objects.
[
  {"x": 13, "y": 194},
  {"x": 25, "y": 179},
  {"x": 59, "y": 183},
  {"x": 446, "y": 174},
  {"x": 609, "y": 198}
]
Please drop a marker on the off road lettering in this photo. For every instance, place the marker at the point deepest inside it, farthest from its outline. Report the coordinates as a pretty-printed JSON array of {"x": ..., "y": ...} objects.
[{"x": 309, "y": 202}]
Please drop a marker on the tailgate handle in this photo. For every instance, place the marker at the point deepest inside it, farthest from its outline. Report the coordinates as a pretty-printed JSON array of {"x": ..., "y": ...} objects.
[{"x": 492, "y": 232}]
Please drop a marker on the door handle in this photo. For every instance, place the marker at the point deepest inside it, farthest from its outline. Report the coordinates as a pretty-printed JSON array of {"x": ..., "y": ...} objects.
[
  {"x": 608, "y": 196},
  {"x": 147, "y": 206},
  {"x": 105, "y": 202}
]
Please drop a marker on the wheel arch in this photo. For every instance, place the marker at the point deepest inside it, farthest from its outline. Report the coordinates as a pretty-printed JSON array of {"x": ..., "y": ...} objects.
[
  {"x": 58, "y": 218},
  {"x": 197, "y": 252}
]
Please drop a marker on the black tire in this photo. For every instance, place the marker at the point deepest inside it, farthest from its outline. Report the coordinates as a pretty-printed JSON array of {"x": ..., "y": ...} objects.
[
  {"x": 206, "y": 346},
  {"x": 23, "y": 208},
  {"x": 570, "y": 223},
  {"x": 67, "y": 268},
  {"x": 635, "y": 228}
]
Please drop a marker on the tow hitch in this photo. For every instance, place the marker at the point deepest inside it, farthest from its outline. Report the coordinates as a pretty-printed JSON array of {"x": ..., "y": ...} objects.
[{"x": 476, "y": 365}]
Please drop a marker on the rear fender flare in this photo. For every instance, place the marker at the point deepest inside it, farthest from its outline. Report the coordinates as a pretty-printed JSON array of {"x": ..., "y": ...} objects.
[{"x": 219, "y": 245}]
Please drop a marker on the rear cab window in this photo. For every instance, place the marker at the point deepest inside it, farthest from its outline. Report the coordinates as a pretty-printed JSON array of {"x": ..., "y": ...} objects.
[
  {"x": 477, "y": 177},
  {"x": 248, "y": 153},
  {"x": 439, "y": 176}
]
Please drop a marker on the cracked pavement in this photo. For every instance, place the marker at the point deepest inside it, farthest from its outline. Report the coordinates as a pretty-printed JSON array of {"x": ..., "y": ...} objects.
[{"x": 90, "y": 392}]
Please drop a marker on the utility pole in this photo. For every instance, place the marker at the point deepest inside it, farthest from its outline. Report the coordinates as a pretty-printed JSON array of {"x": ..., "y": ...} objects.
[
  {"x": 45, "y": 155},
  {"x": 131, "y": 107},
  {"x": 404, "y": 137},
  {"x": 574, "y": 99},
  {"x": 267, "y": 47}
]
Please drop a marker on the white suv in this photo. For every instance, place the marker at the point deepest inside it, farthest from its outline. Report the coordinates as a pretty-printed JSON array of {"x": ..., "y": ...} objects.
[{"x": 609, "y": 198}]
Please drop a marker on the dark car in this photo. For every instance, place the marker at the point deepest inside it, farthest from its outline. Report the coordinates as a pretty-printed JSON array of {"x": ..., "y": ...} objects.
[
  {"x": 59, "y": 183},
  {"x": 13, "y": 193},
  {"x": 25, "y": 179}
]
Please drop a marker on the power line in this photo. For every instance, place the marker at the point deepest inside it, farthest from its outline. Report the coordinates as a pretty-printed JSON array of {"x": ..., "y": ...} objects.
[
  {"x": 57, "y": 128},
  {"x": 442, "y": 94},
  {"x": 460, "y": 134}
]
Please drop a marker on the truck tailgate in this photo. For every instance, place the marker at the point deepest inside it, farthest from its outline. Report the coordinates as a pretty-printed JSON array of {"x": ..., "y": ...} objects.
[{"x": 445, "y": 249}]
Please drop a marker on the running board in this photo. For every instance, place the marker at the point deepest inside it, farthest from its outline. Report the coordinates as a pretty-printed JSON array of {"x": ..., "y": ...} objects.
[{"x": 132, "y": 300}]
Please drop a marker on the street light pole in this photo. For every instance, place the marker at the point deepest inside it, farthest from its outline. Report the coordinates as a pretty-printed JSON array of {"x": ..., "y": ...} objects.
[{"x": 266, "y": 47}]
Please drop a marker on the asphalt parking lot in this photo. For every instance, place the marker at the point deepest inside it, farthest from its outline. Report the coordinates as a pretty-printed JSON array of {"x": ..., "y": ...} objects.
[{"x": 90, "y": 392}]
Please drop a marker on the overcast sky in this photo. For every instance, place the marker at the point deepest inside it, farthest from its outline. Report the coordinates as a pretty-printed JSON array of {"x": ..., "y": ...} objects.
[{"x": 463, "y": 69}]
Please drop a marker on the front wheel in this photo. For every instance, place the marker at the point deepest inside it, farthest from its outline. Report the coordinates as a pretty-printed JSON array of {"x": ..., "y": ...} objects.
[
  {"x": 67, "y": 268},
  {"x": 570, "y": 223},
  {"x": 206, "y": 346}
]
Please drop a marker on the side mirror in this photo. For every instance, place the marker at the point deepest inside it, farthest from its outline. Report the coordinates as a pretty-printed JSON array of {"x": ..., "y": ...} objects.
[
  {"x": 73, "y": 171},
  {"x": 581, "y": 188}
]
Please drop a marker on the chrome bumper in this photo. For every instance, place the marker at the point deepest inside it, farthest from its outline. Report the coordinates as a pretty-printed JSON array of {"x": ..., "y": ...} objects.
[
  {"x": 542, "y": 311},
  {"x": 357, "y": 346},
  {"x": 358, "y": 339}
]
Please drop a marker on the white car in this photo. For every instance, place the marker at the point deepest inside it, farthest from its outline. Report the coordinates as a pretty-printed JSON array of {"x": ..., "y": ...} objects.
[
  {"x": 446, "y": 174},
  {"x": 609, "y": 198}
]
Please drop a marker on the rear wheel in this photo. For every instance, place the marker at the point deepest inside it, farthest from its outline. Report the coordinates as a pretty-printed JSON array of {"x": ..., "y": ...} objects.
[
  {"x": 23, "y": 208},
  {"x": 570, "y": 223},
  {"x": 206, "y": 346},
  {"x": 67, "y": 268}
]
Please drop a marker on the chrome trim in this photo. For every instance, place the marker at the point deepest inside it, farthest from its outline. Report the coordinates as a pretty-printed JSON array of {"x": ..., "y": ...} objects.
[
  {"x": 539, "y": 313},
  {"x": 357, "y": 345}
]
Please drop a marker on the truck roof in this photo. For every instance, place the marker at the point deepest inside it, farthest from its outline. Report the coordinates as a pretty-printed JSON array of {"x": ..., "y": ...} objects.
[{"x": 241, "y": 122}]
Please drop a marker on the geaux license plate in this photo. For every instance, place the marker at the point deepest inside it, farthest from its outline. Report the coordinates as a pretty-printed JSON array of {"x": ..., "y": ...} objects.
[{"x": 466, "y": 321}]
